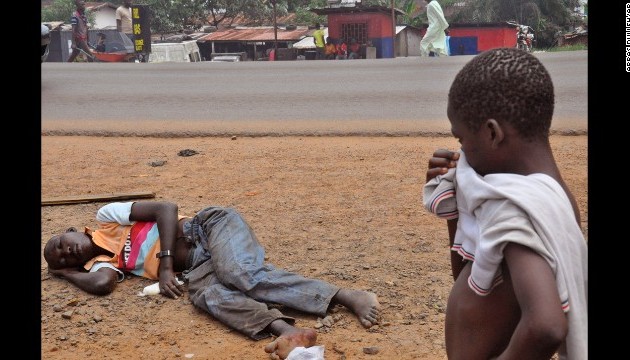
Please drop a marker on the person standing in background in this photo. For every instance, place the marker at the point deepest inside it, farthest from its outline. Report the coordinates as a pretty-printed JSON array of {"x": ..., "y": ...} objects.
[
  {"x": 123, "y": 19},
  {"x": 80, "y": 33},
  {"x": 434, "y": 39},
  {"x": 318, "y": 39}
]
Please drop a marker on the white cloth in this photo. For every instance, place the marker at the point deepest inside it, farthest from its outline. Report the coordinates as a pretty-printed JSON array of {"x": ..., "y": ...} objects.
[
  {"x": 117, "y": 212},
  {"x": 435, "y": 38},
  {"x": 533, "y": 211},
  {"x": 438, "y": 196}
]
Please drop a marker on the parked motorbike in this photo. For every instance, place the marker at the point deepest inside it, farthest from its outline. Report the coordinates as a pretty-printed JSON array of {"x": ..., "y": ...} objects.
[{"x": 524, "y": 38}]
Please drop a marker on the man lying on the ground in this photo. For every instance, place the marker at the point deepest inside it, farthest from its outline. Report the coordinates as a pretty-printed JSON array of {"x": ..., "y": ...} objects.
[{"x": 220, "y": 259}]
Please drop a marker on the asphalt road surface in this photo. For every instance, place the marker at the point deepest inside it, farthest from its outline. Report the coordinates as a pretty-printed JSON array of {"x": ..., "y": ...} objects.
[{"x": 391, "y": 97}]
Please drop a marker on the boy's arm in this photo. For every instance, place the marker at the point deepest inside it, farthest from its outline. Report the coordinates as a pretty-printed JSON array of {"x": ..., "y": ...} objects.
[
  {"x": 457, "y": 262},
  {"x": 439, "y": 163},
  {"x": 165, "y": 215},
  {"x": 543, "y": 325},
  {"x": 100, "y": 282}
]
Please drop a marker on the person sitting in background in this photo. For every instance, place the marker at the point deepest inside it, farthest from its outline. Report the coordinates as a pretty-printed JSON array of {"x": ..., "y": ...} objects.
[
  {"x": 330, "y": 50},
  {"x": 354, "y": 50},
  {"x": 100, "y": 42},
  {"x": 342, "y": 50}
]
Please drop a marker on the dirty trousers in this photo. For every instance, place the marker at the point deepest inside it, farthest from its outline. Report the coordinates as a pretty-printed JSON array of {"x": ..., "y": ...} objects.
[{"x": 228, "y": 278}]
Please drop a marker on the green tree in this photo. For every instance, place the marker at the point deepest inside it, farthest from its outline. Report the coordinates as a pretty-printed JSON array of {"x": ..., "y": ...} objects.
[
  {"x": 303, "y": 13},
  {"x": 61, "y": 10},
  {"x": 258, "y": 11},
  {"x": 546, "y": 17},
  {"x": 169, "y": 16}
]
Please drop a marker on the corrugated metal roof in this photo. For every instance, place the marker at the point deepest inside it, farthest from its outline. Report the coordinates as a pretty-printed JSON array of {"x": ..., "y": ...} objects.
[
  {"x": 255, "y": 34},
  {"x": 356, "y": 9},
  {"x": 241, "y": 20}
]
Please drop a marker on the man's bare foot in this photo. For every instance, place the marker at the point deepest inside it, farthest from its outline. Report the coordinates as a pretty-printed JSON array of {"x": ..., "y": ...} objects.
[
  {"x": 363, "y": 304},
  {"x": 289, "y": 340}
]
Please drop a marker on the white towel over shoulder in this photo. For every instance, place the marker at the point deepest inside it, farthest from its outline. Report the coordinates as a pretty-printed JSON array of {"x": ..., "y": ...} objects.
[{"x": 511, "y": 205}]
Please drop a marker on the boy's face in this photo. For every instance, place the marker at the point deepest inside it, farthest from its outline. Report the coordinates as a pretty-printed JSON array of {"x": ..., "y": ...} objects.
[
  {"x": 476, "y": 145},
  {"x": 69, "y": 250}
]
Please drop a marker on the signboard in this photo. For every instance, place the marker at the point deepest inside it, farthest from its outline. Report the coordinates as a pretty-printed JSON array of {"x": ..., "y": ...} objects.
[{"x": 141, "y": 25}]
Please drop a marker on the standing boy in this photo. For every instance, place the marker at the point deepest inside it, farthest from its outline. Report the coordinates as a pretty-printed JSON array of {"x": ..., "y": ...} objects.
[{"x": 518, "y": 255}]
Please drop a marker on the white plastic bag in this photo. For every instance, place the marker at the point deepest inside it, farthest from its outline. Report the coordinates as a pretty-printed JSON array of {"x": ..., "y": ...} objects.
[
  {"x": 154, "y": 289},
  {"x": 309, "y": 353}
]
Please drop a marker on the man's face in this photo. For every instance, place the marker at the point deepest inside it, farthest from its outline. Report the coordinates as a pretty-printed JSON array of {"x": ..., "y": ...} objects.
[
  {"x": 127, "y": 3},
  {"x": 69, "y": 250},
  {"x": 80, "y": 4}
]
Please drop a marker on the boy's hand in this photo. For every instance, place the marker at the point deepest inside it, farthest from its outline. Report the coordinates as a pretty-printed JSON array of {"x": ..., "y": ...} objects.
[{"x": 441, "y": 161}]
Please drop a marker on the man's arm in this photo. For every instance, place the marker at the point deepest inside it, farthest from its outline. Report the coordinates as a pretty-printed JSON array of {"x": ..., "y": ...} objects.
[
  {"x": 118, "y": 20},
  {"x": 543, "y": 325},
  {"x": 165, "y": 215},
  {"x": 100, "y": 282},
  {"x": 73, "y": 43}
]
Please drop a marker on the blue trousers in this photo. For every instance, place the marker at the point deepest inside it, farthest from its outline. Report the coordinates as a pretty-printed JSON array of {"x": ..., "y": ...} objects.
[{"x": 228, "y": 278}]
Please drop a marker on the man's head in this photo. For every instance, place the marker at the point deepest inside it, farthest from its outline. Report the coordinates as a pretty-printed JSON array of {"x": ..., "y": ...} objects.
[
  {"x": 503, "y": 86},
  {"x": 71, "y": 249},
  {"x": 80, "y": 4},
  {"x": 127, "y": 3},
  {"x": 317, "y": 26}
]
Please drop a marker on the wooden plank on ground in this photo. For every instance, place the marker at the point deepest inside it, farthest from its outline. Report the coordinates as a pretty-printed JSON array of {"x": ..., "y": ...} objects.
[{"x": 82, "y": 199}]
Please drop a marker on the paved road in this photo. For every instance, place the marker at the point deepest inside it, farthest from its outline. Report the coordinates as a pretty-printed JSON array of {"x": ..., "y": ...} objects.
[{"x": 403, "y": 96}]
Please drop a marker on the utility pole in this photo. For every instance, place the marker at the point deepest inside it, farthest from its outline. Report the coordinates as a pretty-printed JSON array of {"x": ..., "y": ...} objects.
[
  {"x": 393, "y": 31},
  {"x": 275, "y": 28}
]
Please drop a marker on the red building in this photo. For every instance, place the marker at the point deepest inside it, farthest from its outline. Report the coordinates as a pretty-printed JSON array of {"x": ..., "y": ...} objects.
[
  {"x": 368, "y": 25},
  {"x": 471, "y": 39}
]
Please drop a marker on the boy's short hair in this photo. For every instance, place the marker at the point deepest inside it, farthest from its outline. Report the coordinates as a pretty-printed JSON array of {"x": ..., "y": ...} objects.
[{"x": 508, "y": 85}]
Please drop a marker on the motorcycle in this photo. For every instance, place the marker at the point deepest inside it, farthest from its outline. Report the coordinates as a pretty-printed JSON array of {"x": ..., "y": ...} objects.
[{"x": 524, "y": 38}]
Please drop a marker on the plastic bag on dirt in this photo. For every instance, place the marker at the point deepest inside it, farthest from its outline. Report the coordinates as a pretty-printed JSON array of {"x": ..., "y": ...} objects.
[{"x": 310, "y": 353}]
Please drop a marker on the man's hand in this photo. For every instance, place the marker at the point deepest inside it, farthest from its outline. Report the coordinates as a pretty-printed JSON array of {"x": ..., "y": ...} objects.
[
  {"x": 441, "y": 161},
  {"x": 169, "y": 285},
  {"x": 100, "y": 282},
  {"x": 62, "y": 272}
]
